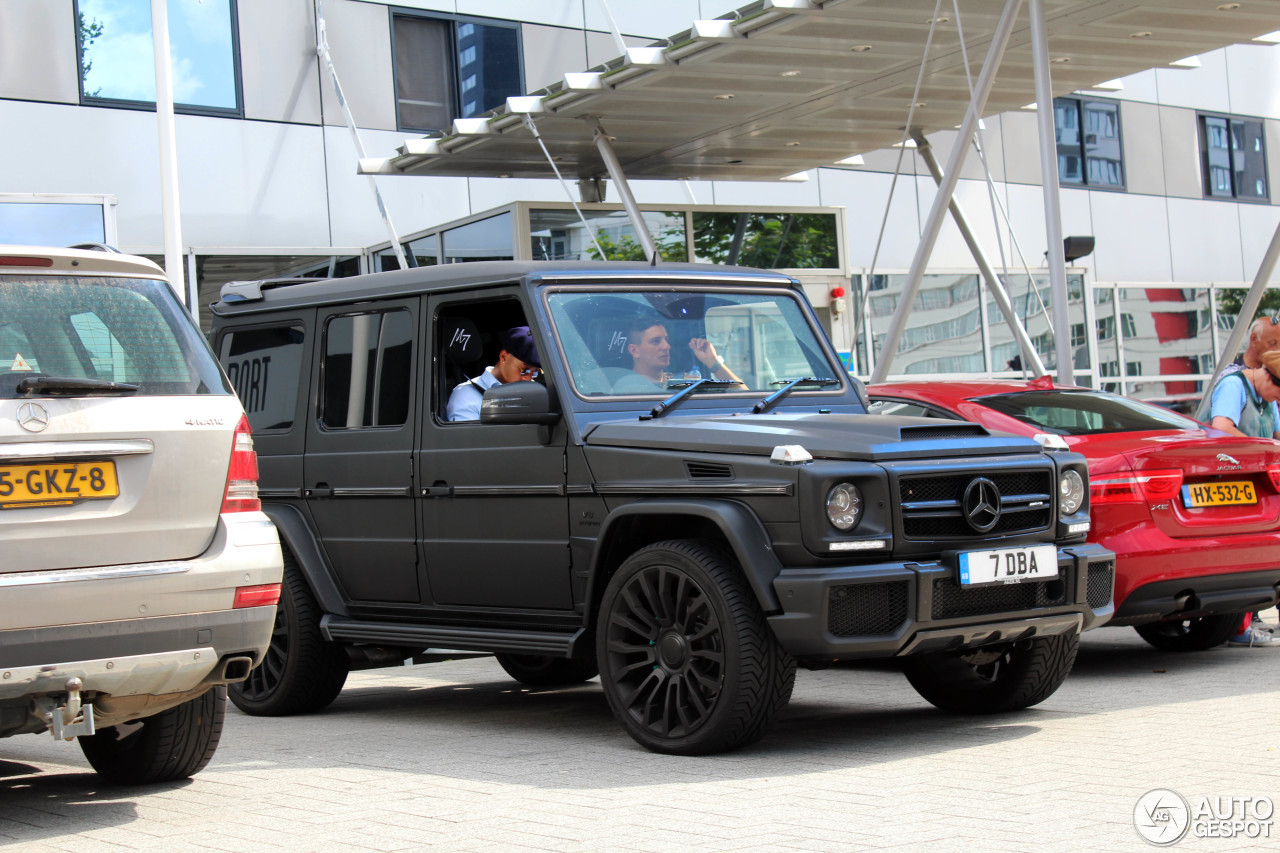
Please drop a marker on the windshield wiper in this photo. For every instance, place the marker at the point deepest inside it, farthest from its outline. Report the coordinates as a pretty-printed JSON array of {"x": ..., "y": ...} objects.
[
  {"x": 685, "y": 390},
  {"x": 787, "y": 385},
  {"x": 71, "y": 386}
]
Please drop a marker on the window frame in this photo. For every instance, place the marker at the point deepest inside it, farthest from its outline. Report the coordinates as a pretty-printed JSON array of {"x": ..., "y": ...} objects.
[
  {"x": 1202, "y": 135},
  {"x": 455, "y": 104},
  {"x": 1084, "y": 183},
  {"x": 233, "y": 12}
]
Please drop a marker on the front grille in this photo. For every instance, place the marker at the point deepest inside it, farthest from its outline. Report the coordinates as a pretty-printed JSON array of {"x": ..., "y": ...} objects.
[
  {"x": 865, "y": 609},
  {"x": 931, "y": 505},
  {"x": 951, "y": 601},
  {"x": 1099, "y": 590}
]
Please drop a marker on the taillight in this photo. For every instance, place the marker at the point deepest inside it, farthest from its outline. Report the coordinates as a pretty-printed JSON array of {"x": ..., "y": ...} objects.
[
  {"x": 1135, "y": 488},
  {"x": 241, "y": 494},
  {"x": 256, "y": 596},
  {"x": 1273, "y": 471}
]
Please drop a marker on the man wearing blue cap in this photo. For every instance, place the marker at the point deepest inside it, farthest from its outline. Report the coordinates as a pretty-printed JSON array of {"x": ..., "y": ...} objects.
[{"x": 517, "y": 362}]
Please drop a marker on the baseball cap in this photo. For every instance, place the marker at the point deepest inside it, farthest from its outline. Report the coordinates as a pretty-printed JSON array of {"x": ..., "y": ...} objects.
[{"x": 519, "y": 342}]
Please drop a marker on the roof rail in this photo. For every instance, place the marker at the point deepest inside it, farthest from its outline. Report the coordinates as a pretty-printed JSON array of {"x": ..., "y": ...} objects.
[{"x": 251, "y": 291}]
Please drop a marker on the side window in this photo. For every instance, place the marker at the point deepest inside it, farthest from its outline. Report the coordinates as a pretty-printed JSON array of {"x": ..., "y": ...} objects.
[
  {"x": 366, "y": 371},
  {"x": 898, "y": 407},
  {"x": 265, "y": 367},
  {"x": 468, "y": 339}
]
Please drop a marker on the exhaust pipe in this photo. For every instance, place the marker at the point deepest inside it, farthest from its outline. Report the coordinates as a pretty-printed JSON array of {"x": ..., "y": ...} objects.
[{"x": 234, "y": 669}]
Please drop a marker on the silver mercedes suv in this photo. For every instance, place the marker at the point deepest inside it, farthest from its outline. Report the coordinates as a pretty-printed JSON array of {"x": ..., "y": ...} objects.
[{"x": 138, "y": 575}]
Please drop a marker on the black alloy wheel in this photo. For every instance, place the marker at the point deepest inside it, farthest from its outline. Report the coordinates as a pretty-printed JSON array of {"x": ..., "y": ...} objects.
[
  {"x": 547, "y": 671},
  {"x": 687, "y": 661},
  {"x": 301, "y": 671}
]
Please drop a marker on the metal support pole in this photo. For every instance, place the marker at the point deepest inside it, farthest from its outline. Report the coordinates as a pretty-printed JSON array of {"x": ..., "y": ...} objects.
[
  {"x": 169, "y": 208},
  {"x": 1052, "y": 204},
  {"x": 322, "y": 51},
  {"x": 946, "y": 188},
  {"x": 617, "y": 33},
  {"x": 1244, "y": 319},
  {"x": 628, "y": 200},
  {"x": 1030, "y": 357}
]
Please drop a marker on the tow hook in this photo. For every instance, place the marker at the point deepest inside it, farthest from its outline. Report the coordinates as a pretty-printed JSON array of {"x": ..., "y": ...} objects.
[{"x": 73, "y": 719}]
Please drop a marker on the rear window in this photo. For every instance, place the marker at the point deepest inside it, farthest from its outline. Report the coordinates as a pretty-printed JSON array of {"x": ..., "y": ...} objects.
[
  {"x": 108, "y": 329},
  {"x": 1085, "y": 412}
]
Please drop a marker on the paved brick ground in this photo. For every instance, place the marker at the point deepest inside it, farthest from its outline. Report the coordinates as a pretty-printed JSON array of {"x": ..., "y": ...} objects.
[{"x": 454, "y": 756}]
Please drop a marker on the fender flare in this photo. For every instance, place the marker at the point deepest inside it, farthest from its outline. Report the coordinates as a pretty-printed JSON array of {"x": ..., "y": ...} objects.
[
  {"x": 297, "y": 536},
  {"x": 744, "y": 532}
]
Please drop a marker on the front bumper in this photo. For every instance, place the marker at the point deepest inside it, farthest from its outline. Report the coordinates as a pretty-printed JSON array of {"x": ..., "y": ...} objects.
[{"x": 905, "y": 608}]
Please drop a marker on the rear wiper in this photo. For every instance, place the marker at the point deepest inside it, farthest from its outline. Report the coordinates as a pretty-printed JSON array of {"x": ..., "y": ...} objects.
[
  {"x": 71, "y": 386},
  {"x": 685, "y": 390},
  {"x": 787, "y": 385}
]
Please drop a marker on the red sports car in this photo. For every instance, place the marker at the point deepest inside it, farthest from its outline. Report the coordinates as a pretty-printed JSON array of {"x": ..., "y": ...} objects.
[{"x": 1192, "y": 513}]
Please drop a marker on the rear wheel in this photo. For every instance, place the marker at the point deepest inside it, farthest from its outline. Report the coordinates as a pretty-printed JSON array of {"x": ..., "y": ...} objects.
[
  {"x": 302, "y": 671},
  {"x": 1191, "y": 635},
  {"x": 173, "y": 744},
  {"x": 547, "y": 671},
  {"x": 687, "y": 661},
  {"x": 990, "y": 680}
]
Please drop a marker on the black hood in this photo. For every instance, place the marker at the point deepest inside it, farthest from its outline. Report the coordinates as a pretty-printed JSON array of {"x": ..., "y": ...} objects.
[{"x": 825, "y": 436}]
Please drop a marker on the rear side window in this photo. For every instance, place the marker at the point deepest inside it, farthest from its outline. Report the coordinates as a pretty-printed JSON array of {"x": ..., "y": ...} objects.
[
  {"x": 366, "y": 371},
  {"x": 108, "y": 329},
  {"x": 265, "y": 367},
  {"x": 1085, "y": 412}
]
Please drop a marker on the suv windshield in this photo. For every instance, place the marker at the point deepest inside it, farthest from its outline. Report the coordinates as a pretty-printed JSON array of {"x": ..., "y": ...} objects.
[
  {"x": 649, "y": 342},
  {"x": 109, "y": 330},
  {"x": 1085, "y": 412}
]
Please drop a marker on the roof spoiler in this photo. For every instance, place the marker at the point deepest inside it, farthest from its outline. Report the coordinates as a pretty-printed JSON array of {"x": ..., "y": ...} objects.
[{"x": 251, "y": 291}]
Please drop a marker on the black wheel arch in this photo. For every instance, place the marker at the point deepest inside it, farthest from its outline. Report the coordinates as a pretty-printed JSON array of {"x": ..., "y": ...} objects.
[
  {"x": 296, "y": 535},
  {"x": 643, "y": 522}
]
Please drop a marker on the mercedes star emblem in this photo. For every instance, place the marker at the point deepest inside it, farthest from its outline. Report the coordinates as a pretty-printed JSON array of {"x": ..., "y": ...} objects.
[
  {"x": 981, "y": 504},
  {"x": 32, "y": 417}
]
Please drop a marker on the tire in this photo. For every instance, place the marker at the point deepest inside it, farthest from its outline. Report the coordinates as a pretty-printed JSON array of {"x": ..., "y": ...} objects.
[
  {"x": 302, "y": 672},
  {"x": 995, "y": 679},
  {"x": 547, "y": 671},
  {"x": 687, "y": 661},
  {"x": 1191, "y": 635},
  {"x": 172, "y": 744}
]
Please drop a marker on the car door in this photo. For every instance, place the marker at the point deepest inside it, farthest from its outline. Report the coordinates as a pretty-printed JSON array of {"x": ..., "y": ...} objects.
[
  {"x": 491, "y": 497},
  {"x": 358, "y": 477}
]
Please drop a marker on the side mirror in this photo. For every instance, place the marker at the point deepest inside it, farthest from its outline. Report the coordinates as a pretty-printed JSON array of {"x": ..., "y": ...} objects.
[{"x": 518, "y": 403}]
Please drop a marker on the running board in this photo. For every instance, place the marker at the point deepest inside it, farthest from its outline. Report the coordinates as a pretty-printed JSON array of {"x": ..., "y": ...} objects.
[{"x": 551, "y": 643}]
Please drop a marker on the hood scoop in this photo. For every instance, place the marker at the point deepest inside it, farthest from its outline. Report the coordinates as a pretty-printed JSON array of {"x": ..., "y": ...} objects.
[{"x": 950, "y": 430}]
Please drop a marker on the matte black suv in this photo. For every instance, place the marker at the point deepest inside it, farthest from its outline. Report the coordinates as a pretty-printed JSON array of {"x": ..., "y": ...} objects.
[{"x": 689, "y": 501}]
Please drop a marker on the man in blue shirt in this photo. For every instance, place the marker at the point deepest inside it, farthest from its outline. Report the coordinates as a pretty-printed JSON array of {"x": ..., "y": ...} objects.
[{"x": 517, "y": 362}]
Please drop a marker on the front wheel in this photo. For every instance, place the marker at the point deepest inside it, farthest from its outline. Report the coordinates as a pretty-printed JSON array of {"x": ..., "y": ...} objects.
[
  {"x": 687, "y": 661},
  {"x": 994, "y": 679},
  {"x": 172, "y": 744},
  {"x": 302, "y": 671},
  {"x": 547, "y": 671},
  {"x": 1191, "y": 635}
]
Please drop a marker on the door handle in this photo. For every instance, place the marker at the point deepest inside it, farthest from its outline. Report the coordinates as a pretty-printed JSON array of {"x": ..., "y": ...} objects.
[
  {"x": 320, "y": 490},
  {"x": 440, "y": 490}
]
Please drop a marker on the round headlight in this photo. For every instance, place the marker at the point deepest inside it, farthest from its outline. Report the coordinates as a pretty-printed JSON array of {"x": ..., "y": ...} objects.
[
  {"x": 1070, "y": 493},
  {"x": 844, "y": 506}
]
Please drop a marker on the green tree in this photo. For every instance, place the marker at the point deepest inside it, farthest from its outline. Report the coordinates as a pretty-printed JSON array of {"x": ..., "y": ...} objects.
[
  {"x": 1231, "y": 301},
  {"x": 90, "y": 31}
]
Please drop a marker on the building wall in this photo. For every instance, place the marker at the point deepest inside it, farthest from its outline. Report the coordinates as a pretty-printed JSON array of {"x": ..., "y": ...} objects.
[{"x": 284, "y": 175}]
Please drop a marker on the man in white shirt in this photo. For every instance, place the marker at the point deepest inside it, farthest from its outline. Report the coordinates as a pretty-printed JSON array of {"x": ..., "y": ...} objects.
[{"x": 517, "y": 362}]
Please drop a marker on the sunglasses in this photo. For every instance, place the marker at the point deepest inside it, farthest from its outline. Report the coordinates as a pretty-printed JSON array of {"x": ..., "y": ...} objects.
[
  {"x": 535, "y": 372},
  {"x": 1274, "y": 379}
]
